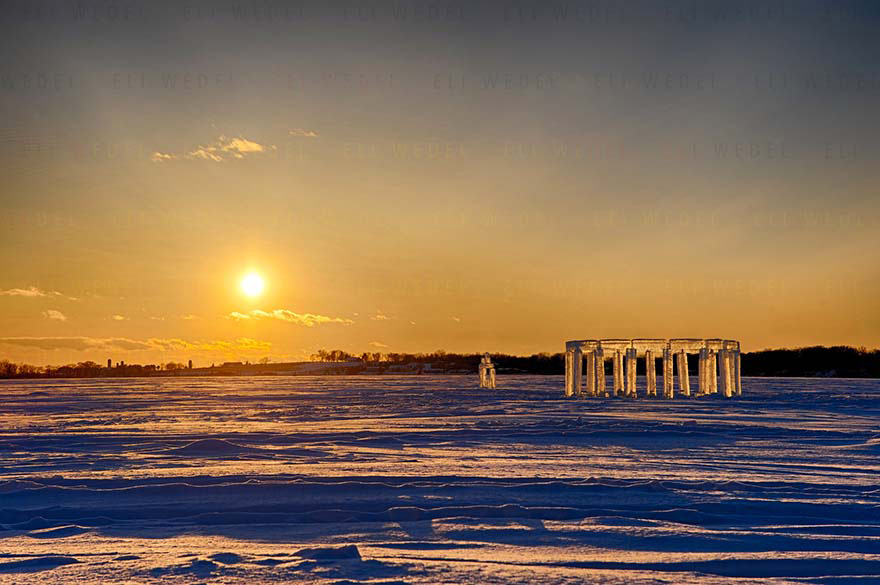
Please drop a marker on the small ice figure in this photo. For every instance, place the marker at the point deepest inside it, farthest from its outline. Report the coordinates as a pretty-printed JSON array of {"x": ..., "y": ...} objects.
[{"x": 487, "y": 372}]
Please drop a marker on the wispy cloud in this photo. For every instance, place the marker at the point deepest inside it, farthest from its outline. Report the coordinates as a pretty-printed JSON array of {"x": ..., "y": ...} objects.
[
  {"x": 303, "y": 133},
  {"x": 185, "y": 317},
  {"x": 33, "y": 292},
  {"x": 119, "y": 318},
  {"x": 55, "y": 315},
  {"x": 380, "y": 316},
  {"x": 224, "y": 148},
  {"x": 456, "y": 319},
  {"x": 305, "y": 319},
  {"x": 76, "y": 343},
  {"x": 30, "y": 291},
  {"x": 377, "y": 344},
  {"x": 240, "y": 344},
  {"x": 123, "y": 344},
  {"x": 158, "y": 157}
]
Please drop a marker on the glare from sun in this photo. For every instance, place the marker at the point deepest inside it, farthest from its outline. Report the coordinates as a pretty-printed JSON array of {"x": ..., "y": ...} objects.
[{"x": 252, "y": 285}]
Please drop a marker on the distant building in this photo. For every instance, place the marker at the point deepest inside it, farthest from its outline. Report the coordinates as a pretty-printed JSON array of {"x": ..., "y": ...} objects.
[
  {"x": 189, "y": 364},
  {"x": 109, "y": 363}
]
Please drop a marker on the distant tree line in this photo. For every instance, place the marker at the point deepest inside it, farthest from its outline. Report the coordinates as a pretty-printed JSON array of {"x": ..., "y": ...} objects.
[
  {"x": 837, "y": 361},
  {"x": 816, "y": 361},
  {"x": 541, "y": 363}
]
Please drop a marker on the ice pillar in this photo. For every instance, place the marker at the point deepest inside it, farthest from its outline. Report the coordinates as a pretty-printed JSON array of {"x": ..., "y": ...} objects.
[
  {"x": 651, "y": 373},
  {"x": 591, "y": 373},
  {"x": 712, "y": 372},
  {"x": 684, "y": 384},
  {"x": 667, "y": 373},
  {"x": 703, "y": 385},
  {"x": 731, "y": 371},
  {"x": 737, "y": 377},
  {"x": 569, "y": 361},
  {"x": 600, "y": 371},
  {"x": 618, "y": 373},
  {"x": 487, "y": 372},
  {"x": 576, "y": 372},
  {"x": 631, "y": 358},
  {"x": 724, "y": 363}
]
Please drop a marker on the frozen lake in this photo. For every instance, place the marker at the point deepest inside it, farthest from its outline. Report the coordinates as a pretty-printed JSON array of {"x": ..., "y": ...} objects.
[{"x": 248, "y": 480}]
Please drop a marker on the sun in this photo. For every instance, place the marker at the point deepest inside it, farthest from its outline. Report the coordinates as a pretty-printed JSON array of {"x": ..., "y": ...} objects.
[{"x": 252, "y": 285}]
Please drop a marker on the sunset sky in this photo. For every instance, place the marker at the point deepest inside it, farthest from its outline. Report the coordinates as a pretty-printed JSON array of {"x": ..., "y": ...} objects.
[{"x": 408, "y": 176}]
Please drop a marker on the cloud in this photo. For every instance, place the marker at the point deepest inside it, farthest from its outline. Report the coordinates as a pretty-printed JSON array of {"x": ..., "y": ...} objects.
[
  {"x": 54, "y": 315},
  {"x": 305, "y": 319},
  {"x": 30, "y": 291},
  {"x": 222, "y": 149},
  {"x": 126, "y": 344},
  {"x": 123, "y": 344},
  {"x": 456, "y": 319},
  {"x": 380, "y": 316},
  {"x": 301, "y": 132},
  {"x": 33, "y": 292},
  {"x": 228, "y": 148},
  {"x": 377, "y": 344},
  {"x": 119, "y": 318},
  {"x": 77, "y": 343},
  {"x": 185, "y": 317},
  {"x": 158, "y": 157},
  {"x": 240, "y": 344}
]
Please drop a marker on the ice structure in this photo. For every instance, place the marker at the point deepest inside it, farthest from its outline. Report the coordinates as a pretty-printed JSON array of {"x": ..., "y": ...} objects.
[
  {"x": 719, "y": 359},
  {"x": 487, "y": 372}
]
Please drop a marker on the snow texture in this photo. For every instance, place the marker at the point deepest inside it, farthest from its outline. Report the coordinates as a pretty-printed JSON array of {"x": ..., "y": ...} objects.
[{"x": 424, "y": 479}]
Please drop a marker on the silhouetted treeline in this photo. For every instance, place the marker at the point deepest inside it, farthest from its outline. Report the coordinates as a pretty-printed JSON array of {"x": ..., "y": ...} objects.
[
  {"x": 835, "y": 362},
  {"x": 817, "y": 361},
  {"x": 838, "y": 361},
  {"x": 541, "y": 363}
]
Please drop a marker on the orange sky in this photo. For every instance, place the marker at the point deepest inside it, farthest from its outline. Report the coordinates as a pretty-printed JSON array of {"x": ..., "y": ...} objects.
[{"x": 483, "y": 184}]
